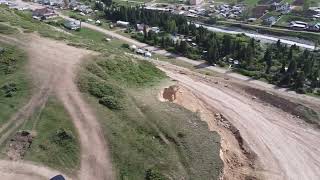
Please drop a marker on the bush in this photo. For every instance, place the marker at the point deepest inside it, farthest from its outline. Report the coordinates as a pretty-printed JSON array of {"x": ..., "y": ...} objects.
[
  {"x": 124, "y": 45},
  {"x": 110, "y": 102},
  {"x": 101, "y": 89},
  {"x": 62, "y": 136},
  {"x": 9, "y": 89},
  {"x": 152, "y": 174}
]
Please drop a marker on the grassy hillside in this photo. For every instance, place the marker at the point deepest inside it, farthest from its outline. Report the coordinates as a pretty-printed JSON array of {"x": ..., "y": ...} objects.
[
  {"x": 148, "y": 139},
  {"x": 55, "y": 144},
  {"x": 14, "y": 86}
]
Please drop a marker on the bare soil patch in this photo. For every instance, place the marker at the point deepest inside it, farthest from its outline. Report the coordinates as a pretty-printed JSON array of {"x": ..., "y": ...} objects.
[
  {"x": 19, "y": 144},
  {"x": 286, "y": 146},
  {"x": 237, "y": 157}
]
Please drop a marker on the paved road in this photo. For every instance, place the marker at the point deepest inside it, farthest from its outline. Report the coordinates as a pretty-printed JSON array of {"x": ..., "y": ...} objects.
[{"x": 259, "y": 37}]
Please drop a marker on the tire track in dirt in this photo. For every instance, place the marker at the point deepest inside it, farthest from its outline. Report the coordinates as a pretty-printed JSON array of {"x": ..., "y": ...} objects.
[
  {"x": 52, "y": 65},
  {"x": 286, "y": 147}
]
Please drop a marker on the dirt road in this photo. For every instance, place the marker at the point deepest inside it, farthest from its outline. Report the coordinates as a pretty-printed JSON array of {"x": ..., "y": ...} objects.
[
  {"x": 52, "y": 65},
  {"x": 13, "y": 170},
  {"x": 286, "y": 147}
]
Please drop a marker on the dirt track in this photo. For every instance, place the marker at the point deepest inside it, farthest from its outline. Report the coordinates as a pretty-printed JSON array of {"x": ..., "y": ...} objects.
[
  {"x": 53, "y": 65},
  {"x": 286, "y": 147}
]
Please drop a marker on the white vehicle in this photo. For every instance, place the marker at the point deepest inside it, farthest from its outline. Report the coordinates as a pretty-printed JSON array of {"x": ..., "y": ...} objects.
[{"x": 147, "y": 54}]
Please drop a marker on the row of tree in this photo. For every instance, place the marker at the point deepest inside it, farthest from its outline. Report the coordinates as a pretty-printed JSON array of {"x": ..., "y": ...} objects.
[{"x": 285, "y": 66}]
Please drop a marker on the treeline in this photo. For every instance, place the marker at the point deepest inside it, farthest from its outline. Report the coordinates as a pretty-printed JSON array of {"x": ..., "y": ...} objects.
[
  {"x": 285, "y": 66},
  {"x": 215, "y": 46}
]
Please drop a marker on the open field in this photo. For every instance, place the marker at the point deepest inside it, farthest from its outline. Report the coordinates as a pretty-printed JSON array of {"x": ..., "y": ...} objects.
[
  {"x": 14, "y": 85},
  {"x": 145, "y": 135},
  {"x": 56, "y": 141}
]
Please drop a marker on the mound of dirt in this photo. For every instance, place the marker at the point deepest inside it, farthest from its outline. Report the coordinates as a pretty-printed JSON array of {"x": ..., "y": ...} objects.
[
  {"x": 19, "y": 144},
  {"x": 170, "y": 93}
]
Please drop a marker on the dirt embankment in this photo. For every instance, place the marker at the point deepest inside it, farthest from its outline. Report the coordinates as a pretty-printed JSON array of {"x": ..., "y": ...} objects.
[
  {"x": 285, "y": 145},
  {"x": 297, "y": 109},
  {"x": 237, "y": 157}
]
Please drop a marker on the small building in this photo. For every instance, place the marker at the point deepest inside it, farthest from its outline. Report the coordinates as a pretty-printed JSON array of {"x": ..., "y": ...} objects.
[
  {"x": 281, "y": 7},
  {"x": 140, "y": 27},
  {"x": 44, "y": 13},
  {"x": 72, "y": 25},
  {"x": 123, "y": 23},
  {"x": 315, "y": 27},
  {"x": 316, "y": 15},
  {"x": 299, "y": 25},
  {"x": 5, "y": 2},
  {"x": 270, "y": 20},
  {"x": 155, "y": 29},
  {"x": 195, "y": 2}
]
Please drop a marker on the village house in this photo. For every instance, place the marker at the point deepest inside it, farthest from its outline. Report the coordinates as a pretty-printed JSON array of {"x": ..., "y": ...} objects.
[
  {"x": 43, "y": 13},
  {"x": 195, "y": 2},
  {"x": 299, "y": 25},
  {"x": 140, "y": 27},
  {"x": 281, "y": 7},
  {"x": 315, "y": 27},
  {"x": 122, "y": 23},
  {"x": 271, "y": 20}
]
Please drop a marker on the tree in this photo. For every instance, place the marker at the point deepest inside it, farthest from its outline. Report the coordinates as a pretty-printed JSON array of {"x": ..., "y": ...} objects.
[
  {"x": 306, "y": 5},
  {"x": 292, "y": 67},
  {"x": 183, "y": 47},
  {"x": 268, "y": 60},
  {"x": 226, "y": 44},
  {"x": 108, "y": 3},
  {"x": 299, "y": 80}
]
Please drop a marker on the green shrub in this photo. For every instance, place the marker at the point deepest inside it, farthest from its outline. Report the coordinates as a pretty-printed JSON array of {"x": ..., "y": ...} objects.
[
  {"x": 9, "y": 89},
  {"x": 152, "y": 174},
  {"x": 102, "y": 89},
  {"x": 62, "y": 136},
  {"x": 110, "y": 102},
  {"x": 124, "y": 45}
]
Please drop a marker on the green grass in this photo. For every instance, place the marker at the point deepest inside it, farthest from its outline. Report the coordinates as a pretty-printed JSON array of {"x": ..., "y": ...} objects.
[
  {"x": 23, "y": 20},
  {"x": 5, "y": 29},
  {"x": 50, "y": 147},
  {"x": 251, "y": 2},
  {"x": 147, "y": 136},
  {"x": 12, "y": 73}
]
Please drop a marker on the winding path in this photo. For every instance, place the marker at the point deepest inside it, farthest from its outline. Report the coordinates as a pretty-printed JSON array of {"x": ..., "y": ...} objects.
[{"x": 52, "y": 65}]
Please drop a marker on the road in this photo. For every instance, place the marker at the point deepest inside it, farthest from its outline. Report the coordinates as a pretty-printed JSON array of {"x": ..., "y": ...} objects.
[
  {"x": 286, "y": 146},
  {"x": 52, "y": 65},
  {"x": 261, "y": 37}
]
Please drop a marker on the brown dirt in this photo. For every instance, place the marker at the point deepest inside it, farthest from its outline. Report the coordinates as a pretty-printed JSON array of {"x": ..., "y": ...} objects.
[
  {"x": 18, "y": 145},
  {"x": 237, "y": 165},
  {"x": 52, "y": 65},
  {"x": 286, "y": 146}
]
